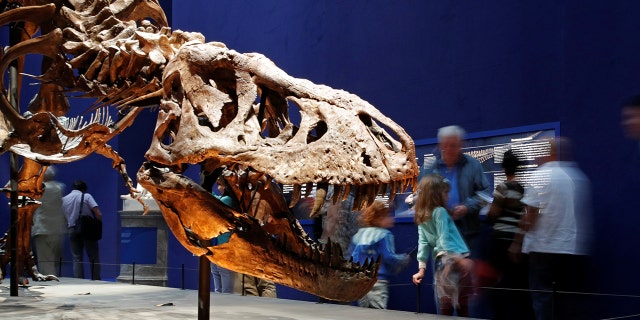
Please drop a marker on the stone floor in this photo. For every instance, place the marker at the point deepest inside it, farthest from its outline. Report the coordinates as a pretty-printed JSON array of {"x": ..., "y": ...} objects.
[{"x": 84, "y": 299}]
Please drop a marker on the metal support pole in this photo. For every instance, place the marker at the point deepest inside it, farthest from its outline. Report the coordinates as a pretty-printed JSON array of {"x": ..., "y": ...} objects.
[
  {"x": 133, "y": 273},
  {"x": 13, "y": 168},
  {"x": 204, "y": 288},
  {"x": 13, "y": 231}
]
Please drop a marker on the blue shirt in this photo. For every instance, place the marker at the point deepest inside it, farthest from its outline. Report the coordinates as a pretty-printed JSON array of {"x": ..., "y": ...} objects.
[
  {"x": 470, "y": 180},
  {"x": 454, "y": 196},
  {"x": 371, "y": 242}
]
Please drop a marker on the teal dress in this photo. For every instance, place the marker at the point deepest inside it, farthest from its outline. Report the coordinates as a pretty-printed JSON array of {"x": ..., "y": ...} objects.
[{"x": 224, "y": 238}]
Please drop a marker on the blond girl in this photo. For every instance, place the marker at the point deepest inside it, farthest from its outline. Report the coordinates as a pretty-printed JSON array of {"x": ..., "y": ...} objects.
[{"x": 438, "y": 237}]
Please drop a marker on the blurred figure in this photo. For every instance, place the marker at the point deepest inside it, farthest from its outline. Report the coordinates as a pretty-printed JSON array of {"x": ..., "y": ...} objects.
[
  {"x": 374, "y": 240},
  {"x": 223, "y": 278},
  {"x": 630, "y": 122},
  {"x": 253, "y": 286},
  {"x": 339, "y": 223},
  {"x": 557, "y": 225},
  {"x": 439, "y": 238},
  {"x": 505, "y": 213},
  {"x": 49, "y": 226},
  {"x": 630, "y": 114},
  {"x": 79, "y": 202},
  {"x": 466, "y": 179}
]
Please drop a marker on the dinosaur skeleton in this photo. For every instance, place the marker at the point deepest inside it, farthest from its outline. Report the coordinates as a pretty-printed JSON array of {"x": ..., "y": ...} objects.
[{"x": 225, "y": 111}]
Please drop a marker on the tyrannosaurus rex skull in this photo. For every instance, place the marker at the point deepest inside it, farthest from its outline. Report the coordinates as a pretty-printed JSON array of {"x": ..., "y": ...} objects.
[{"x": 223, "y": 109}]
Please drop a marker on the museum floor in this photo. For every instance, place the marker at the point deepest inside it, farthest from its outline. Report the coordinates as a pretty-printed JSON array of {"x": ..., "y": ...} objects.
[{"x": 84, "y": 299}]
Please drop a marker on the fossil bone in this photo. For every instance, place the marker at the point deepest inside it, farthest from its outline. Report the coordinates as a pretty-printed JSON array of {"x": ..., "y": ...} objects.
[{"x": 224, "y": 111}]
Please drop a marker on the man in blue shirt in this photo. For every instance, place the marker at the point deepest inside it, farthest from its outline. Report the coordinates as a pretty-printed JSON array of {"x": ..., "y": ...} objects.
[{"x": 466, "y": 178}]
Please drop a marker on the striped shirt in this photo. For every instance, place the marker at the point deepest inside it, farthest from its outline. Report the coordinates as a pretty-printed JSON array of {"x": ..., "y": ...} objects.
[{"x": 507, "y": 196}]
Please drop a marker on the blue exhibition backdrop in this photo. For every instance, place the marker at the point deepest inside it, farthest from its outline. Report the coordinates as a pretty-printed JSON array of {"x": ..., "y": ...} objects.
[{"x": 485, "y": 65}]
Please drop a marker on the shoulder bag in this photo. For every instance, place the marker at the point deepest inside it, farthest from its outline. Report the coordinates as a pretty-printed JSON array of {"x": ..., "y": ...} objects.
[{"x": 89, "y": 227}]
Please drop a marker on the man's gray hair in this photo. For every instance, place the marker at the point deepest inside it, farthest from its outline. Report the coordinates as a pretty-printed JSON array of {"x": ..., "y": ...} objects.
[
  {"x": 50, "y": 174},
  {"x": 451, "y": 131}
]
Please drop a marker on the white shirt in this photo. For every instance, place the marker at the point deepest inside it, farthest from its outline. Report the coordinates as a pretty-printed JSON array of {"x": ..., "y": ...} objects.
[
  {"x": 49, "y": 218},
  {"x": 71, "y": 206},
  {"x": 563, "y": 224}
]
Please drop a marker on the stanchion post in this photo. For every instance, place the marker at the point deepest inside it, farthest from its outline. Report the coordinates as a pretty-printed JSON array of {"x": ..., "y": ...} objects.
[
  {"x": 419, "y": 298},
  {"x": 133, "y": 273},
  {"x": 182, "y": 276},
  {"x": 243, "y": 292},
  {"x": 553, "y": 300}
]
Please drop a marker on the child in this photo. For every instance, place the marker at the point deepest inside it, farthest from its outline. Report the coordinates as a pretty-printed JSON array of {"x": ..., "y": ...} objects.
[
  {"x": 223, "y": 279},
  {"x": 506, "y": 257},
  {"x": 439, "y": 237},
  {"x": 373, "y": 240}
]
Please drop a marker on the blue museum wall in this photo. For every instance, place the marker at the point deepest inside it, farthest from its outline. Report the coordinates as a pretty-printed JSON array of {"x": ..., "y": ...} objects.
[
  {"x": 425, "y": 64},
  {"x": 484, "y": 65}
]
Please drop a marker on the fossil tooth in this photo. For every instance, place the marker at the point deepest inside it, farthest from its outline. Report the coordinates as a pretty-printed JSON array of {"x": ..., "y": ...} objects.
[
  {"x": 382, "y": 189},
  {"x": 361, "y": 195},
  {"x": 345, "y": 192},
  {"x": 372, "y": 193},
  {"x": 268, "y": 182},
  {"x": 365, "y": 264},
  {"x": 336, "y": 193},
  {"x": 406, "y": 184},
  {"x": 316, "y": 254},
  {"x": 321, "y": 194},
  {"x": 307, "y": 252},
  {"x": 374, "y": 266},
  {"x": 392, "y": 197},
  {"x": 337, "y": 256},
  {"x": 295, "y": 195}
]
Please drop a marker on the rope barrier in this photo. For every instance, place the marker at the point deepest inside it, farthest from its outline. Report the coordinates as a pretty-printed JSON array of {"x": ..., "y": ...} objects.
[
  {"x": 623, "y": 317},
  {"x": 184, "y": 270},
  {"x": 406, "y": 284}
]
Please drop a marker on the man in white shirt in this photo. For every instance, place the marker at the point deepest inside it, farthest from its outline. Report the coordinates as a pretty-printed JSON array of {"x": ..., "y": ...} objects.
[
  {"x": 79, "y": 202},
  {"x": 557, "y": 225}
]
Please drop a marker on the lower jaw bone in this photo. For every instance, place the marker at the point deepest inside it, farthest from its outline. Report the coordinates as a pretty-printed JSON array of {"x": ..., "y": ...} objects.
[{"x": 196, "y": 217}]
